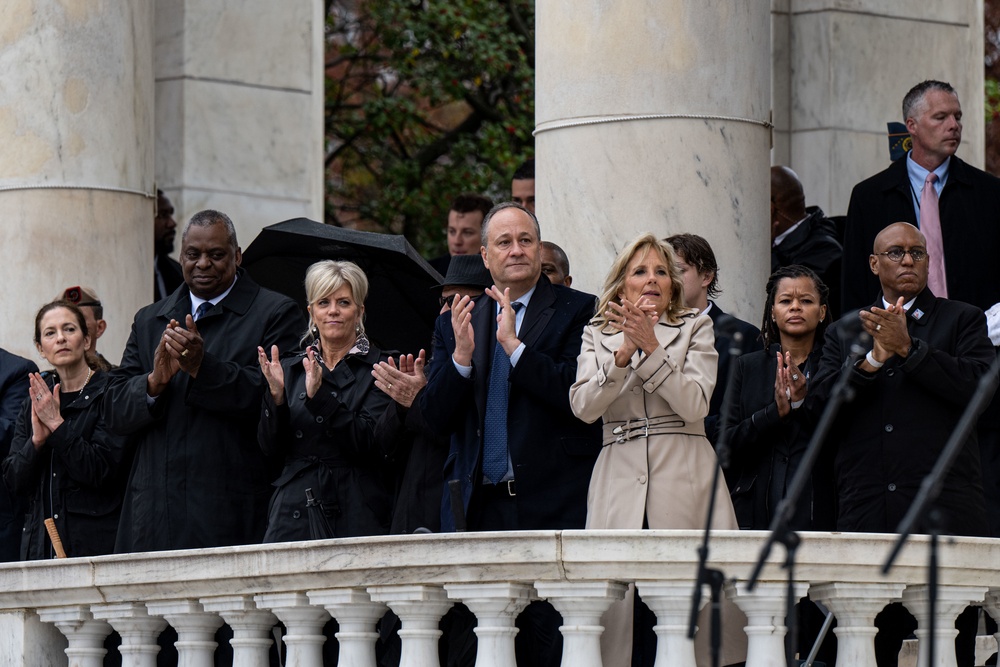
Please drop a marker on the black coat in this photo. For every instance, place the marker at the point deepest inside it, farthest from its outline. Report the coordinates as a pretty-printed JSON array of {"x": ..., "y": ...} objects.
[
  {"x": 889, "y": 437},
  {"x": 552, "y": 451},
  {"x": 199, "y": 478},
  {"x": 172, "y": 274},
  {"x": 751, "y": 343},
  {"x": 328, "y": 444},
  {"x": 970, "y": 224},
  {"x": 13, "y": 393},
  {"x": 814, "y": 244},
  {"x": 421, "y": 454},
  {"x": 767, "y": 449},
  {"x": 76, "y": 477}
]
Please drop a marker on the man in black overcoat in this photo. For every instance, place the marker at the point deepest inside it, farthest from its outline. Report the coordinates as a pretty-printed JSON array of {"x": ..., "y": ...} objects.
[
  {"x": 189, "y": 388},
  {"x": 13, "y": 392},
  {"x": 926, "y": 358}
]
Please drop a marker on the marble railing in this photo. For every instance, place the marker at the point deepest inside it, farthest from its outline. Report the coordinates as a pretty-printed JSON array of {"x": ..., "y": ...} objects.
[{"x": 59, "y": 612}]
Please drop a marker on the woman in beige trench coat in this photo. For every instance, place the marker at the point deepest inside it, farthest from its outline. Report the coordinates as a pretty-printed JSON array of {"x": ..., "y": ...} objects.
[{"x": 647, "y": 366}]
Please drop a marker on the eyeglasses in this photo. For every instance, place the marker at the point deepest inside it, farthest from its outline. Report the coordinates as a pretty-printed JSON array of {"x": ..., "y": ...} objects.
[
  {"x": 447, "y": 300},
  {"x": 896, "y": 254}
]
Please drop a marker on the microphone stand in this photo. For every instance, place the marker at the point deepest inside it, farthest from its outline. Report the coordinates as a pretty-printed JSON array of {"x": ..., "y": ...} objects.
[
  {"x": 715, "y": 578},
  {"x": 780, "y": 530},
  {"x": 922, "y": 512}
]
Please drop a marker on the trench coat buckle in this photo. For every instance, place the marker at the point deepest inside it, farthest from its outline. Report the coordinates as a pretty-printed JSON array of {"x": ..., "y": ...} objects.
[{"x": 632, "y": 428}]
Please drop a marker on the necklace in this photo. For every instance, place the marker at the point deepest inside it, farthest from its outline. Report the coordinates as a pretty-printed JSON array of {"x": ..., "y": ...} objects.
[{"x": 90, "y": 373}]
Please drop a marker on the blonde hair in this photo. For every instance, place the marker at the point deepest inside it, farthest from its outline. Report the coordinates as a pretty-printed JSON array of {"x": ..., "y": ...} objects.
[
  {"x": 326, "y": 277},
  {"x": 615, "y": 281}
]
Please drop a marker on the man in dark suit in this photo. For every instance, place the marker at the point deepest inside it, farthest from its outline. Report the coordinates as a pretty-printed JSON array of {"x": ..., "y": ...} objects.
[
  {"x": 801, "y": 235},
  {"x": 189, "y": 390},
  {"x": 167, "y": 274},
  {"x": 499, "y": 386},
  {"x": 968, "y": 200},
  {"x": 969, "y": 214},
  {"x": 549, "y": 454},
  {"x": 700, "y": 272},
  {"x": 13, "y": 392},
  {"x": 926, "y": 359}
]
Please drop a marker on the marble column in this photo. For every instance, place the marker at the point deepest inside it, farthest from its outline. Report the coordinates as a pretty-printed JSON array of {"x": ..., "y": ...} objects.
[
  {"x": 654, "y": 116},
  {"x": 841, "y": 70},
  {"x": 76, "y": 163},
  {"x": 765, "y": 608},
  {"x": 239, "y": 109}
]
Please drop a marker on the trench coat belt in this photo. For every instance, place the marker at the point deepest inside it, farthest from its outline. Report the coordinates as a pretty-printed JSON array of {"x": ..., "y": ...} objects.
[{"x": 643, "y": 427}]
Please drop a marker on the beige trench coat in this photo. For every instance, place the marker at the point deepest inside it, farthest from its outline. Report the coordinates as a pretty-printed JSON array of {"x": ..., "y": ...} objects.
[{"x": 666, "y": 477}]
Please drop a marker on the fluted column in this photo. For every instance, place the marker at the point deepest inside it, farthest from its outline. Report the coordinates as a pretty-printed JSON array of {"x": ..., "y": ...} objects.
[
  {"x": 951, "y": 601},
  {"x": 855, "y": 606},
  {"x": 195, "y": 630},
  {"x": 765, "y": 608},
  {"x": 356, "y": 615},
  {"x": 251, "y": 628},
  {"x": 420, "y": 609},
  {"x": 139, "y": 631},
  {"x": 76, "y": 164},
  {"x": 84, "y": 633},
  {"x": 304, "y": 623},
  {"x": 653, "y": 115},
  {"x": 581, "y": 604},
  {"x": 496, "y": 607}
]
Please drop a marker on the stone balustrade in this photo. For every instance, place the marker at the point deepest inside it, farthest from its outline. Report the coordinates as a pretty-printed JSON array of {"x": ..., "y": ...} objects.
[{"x": 59, "y": 612}]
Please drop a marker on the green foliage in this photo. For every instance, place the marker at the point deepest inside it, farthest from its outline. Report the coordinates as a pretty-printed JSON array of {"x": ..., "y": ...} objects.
[
  {"x": 424, "y": 100},
  {"x": 992, "y": 100}
]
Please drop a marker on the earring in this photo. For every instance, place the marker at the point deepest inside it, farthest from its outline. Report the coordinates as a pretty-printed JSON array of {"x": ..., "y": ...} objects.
[
  {"x": 314, "y": 330},
  {"x": 357, "y": 328}
]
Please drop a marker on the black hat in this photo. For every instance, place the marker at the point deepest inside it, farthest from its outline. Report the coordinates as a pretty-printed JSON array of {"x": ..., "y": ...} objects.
[{"x": 467, "y": 271}]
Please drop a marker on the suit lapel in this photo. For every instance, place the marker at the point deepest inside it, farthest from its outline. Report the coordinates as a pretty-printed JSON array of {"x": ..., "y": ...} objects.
[{"x": 539, "y": 312}]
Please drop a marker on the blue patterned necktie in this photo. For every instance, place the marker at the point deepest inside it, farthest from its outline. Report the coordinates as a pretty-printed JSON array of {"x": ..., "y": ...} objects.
[
  {"x": 495, "y": 427},
  {"x": 202, "y": 309}
]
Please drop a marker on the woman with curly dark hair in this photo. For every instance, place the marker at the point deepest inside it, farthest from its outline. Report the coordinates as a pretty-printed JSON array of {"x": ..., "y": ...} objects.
[{"x": 768, "y": 432}]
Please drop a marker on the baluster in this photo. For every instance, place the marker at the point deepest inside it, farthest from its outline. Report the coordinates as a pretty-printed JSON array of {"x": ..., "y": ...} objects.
[
  {"x": 855, "y": 607},
  {"x": 251, "y": 628},
  {"x": 139, "y": 631},
  {"x": 581, "y": 604},
  {"x": 304, "y": 623},
  {"x": 195, "y": 630},
  {"x": 84, "y": 633},
  {"x": 766, "y": 628},
  {"x": 420, "y": 609},
  {"x": 496, "y": 607},
  {"x": 951, "y": 601},
  {"x": 357, "y": 615}
]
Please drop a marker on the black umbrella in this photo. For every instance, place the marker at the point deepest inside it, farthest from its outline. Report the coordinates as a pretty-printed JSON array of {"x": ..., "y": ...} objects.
[
  {"x": 319, "y": 526},
  {"x": 401, "y": 306}
]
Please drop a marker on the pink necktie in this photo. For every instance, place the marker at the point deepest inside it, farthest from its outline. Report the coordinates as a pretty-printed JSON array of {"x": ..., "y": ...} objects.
[{"x": 930, "y": 225}]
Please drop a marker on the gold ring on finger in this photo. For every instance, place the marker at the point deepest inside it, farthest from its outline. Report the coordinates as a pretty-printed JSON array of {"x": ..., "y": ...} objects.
[{"x": 184, "y": 353}]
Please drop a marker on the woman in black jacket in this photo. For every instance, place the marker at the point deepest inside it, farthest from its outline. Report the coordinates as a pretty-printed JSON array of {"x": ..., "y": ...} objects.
[
  {"x": 320, "y": 413},
  {"x": 63, "y": 458},
  {"x": 767, "y": 430}
]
